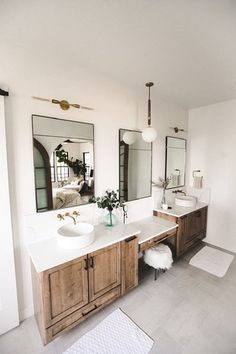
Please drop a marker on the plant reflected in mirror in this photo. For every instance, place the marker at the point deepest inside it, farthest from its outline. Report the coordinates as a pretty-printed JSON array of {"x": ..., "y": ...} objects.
[{"x": 63, "y": 162}]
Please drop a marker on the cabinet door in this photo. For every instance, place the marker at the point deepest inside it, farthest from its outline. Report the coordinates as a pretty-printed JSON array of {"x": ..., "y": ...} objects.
[
  {"x": 129, "y": 270},
  {"x": 192, "y": 228},
  {"x": 66, "y": 289},
  {"x": 196, "y": 223},
  {"x": 104, "y": 270}
]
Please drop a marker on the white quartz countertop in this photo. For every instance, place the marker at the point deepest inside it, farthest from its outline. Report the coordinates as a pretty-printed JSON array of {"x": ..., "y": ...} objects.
[
  {"x": 153, "y": 226},
  {"x": 47, "y": 253},
  {"x": 179, "y": 211}
]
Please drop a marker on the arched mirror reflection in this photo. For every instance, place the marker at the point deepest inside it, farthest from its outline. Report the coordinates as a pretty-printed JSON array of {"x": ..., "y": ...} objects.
[{"x": 63, "y": 162}]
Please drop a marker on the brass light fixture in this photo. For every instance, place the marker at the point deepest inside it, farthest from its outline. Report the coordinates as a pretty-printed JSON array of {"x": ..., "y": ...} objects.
[
  {"x": 65, "y": 105},
  {"x": 149, "y": 134},
  {"x": 177, "y": 130}
]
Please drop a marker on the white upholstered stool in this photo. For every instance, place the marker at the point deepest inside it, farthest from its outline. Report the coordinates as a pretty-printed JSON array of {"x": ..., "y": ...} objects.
[{"x": 159, "y": 257}]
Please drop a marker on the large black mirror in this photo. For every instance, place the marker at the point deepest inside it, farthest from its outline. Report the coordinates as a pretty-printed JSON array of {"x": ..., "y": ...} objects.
[
  {"x": 175, "y": 161},
  {"x": 135, "y": 166},
  {"x": 63, "y": 162}
]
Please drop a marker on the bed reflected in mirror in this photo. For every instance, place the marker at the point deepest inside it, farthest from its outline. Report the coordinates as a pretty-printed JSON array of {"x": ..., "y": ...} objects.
[
  {"x": 63, "y": 162},
  {"x": 135, "y": 166}
]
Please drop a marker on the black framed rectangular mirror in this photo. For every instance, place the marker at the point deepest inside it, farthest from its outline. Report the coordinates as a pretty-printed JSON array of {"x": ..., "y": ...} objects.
[
  {"x": 63, "y": 153},
  {"x": 135, "y": 166},
  {"x": 175, "y": 162}
]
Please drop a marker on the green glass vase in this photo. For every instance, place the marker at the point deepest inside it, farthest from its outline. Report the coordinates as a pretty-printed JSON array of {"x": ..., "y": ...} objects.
[{"x": 110, "y": 219}]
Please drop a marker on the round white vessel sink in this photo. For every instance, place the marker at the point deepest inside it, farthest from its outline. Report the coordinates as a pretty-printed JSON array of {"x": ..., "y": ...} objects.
[
  {"x": 72, "y": 236},
  {"x": 186, "y": 201}
]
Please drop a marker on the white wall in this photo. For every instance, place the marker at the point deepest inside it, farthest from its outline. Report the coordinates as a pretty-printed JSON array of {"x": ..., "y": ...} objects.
[
  {"x": 212, "y": 149},
  {"x": 28, "y": 74},
  {"x": 8, "y": 296}
]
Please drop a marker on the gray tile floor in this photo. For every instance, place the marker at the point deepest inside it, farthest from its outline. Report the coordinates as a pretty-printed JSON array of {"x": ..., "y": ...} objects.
[{"x": 185, "y": 311}]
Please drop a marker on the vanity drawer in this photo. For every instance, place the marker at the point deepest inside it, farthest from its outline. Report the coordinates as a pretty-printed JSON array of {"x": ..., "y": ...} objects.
[
  {"x": 195, "y": 240},
  {"x": 155, "y": 240},
  {"x": 78, "y": 316}
]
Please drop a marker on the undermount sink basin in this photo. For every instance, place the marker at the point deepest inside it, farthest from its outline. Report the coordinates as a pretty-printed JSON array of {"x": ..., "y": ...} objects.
[
  {"x": 72, "y": 236},
  {"x": 186, "y": 201}
]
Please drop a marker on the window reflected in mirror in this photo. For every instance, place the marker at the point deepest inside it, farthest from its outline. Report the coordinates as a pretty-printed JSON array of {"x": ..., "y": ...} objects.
[
  {"x": 63, "y": 162},
  {"x": 175, "y": 161},
  {"x": 135, "y": 166}
]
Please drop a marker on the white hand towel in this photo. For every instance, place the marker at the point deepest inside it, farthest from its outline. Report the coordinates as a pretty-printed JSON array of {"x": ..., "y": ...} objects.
[{"x": 197, "y": 182}]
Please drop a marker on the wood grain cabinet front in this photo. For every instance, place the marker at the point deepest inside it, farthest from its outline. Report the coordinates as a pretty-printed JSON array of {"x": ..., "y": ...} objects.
[
  {"x": 104, "y": 270},
  {"x": 129, "y": 264},
  {"x": 191, "y": 228},
  {"x": 66, "y": 289},
  {"x": 68, "y": 293}
]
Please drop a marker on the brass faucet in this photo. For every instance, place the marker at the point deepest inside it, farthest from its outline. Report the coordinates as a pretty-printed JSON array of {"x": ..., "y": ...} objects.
[{"x": 72, "y": 215}]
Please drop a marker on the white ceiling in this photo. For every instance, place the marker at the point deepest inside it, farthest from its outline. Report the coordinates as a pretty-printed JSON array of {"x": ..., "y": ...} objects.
[{"x": 187, "y": 47}]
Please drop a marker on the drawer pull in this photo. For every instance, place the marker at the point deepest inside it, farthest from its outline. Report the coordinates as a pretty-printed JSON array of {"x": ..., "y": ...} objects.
[
  {"x": 91, "y": 262},
  {"x": 86, "y": 313},
  {"x": 130, "y": 238},
  {"x": 86, "y": 264}
]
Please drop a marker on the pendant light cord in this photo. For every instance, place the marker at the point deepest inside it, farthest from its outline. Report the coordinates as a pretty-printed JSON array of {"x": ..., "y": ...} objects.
[{"x": 149, "y": 108}]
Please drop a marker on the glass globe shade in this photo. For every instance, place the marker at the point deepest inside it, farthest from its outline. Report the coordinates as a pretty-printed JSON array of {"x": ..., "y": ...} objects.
[
  {"x": 149, "y": 134},
  {"x": 129, "y": 137}
]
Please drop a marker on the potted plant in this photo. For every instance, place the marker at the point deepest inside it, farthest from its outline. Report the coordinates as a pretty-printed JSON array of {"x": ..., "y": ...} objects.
[{"x": 109, "y": 201}]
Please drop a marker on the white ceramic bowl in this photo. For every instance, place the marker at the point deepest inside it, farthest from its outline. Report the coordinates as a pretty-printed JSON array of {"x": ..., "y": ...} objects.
[
  {"x": 72, "y": 236},
  {"x": 186, "y": 201}
]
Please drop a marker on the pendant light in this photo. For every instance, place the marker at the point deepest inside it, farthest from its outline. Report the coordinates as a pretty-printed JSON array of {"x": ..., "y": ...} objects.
[{"x": 149, "y": 134}]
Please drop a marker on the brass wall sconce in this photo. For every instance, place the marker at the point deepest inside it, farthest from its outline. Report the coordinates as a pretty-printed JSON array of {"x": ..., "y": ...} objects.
[
  {"x": 65, "y": 105},
  {"x": 177, "y": 130}
]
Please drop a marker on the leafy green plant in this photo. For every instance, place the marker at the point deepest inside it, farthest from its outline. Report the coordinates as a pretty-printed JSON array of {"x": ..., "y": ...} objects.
[
  {"x": 109, "y": 201},
  {"x": 77, "y": 165}
]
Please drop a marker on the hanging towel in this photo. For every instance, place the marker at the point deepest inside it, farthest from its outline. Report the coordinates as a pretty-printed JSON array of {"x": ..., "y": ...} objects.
[
  {"x": 197, "y": 182},
  {"x": 175, "y": 179}
]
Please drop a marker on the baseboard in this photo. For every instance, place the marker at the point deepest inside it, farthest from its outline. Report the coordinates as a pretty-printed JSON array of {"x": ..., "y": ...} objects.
[{"x": 26, "y": 313}]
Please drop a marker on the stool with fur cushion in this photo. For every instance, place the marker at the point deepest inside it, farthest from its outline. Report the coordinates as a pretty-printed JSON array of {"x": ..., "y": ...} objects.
[{"x": 159, "y": 257}]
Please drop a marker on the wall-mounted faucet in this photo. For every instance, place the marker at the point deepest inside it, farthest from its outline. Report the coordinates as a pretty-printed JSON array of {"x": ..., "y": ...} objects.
[
  {"x": 72, "y": 215},
  {"x": 178, "y": 191}
]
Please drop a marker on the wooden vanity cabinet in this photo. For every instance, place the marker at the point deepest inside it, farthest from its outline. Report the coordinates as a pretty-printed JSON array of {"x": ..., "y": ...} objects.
[
  {"x": 66, "y": 290},
  {"x": 104, "y": 270},
  {"x": 129, "y": 264},
  {"x": 66, "y": 294},
  {"x": 191, "y": 228}
]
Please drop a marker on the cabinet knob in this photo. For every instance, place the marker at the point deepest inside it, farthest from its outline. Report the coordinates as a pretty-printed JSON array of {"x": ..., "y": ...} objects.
[{"x": 69, "y": 294}]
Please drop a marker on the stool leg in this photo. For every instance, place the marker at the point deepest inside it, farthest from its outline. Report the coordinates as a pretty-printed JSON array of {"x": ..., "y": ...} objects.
[{"x": 156, "y": 274}]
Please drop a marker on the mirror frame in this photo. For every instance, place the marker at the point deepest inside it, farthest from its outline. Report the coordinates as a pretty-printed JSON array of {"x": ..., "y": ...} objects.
[
  {"x": 166, "y": 156},
  {"x": 119, "y": 139},
  {"x": 66, "y": 120}
]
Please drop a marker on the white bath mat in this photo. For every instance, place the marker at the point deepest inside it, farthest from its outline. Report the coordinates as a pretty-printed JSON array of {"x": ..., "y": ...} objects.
[
  {"x": 116, "y": 334},
  {"x": 212, "y": 261}
]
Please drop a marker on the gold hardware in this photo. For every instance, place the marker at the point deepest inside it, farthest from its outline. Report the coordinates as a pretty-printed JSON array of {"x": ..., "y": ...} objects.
[
  {"x": 65, "y": 105},
  {"x": 72, "y": 215},
  {"x": 60, "y": 217},
  {"x": 177, "y": 130}
]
